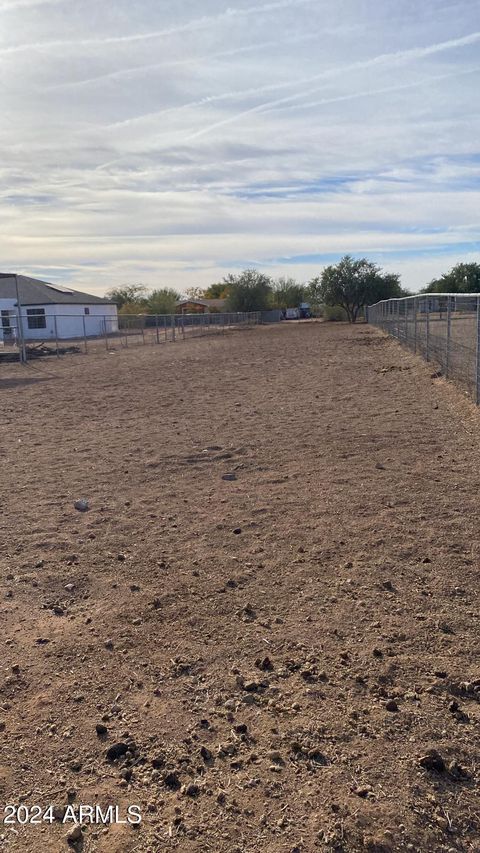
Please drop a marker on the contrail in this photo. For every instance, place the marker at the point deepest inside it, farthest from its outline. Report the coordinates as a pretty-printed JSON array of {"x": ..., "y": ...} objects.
[
  {"x": 399, "y": 56},
  {"x": 224, "y": 54},
  {"x": 384, "y": 90},
  {"x": 425, "y": 81},
  {"x": 22, "y": 4},
  {"x": 188, "y": 26},
  {"x": 273, "y": 87}
]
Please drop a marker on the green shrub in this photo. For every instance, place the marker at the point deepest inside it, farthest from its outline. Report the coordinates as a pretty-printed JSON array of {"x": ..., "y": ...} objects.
[{"x": 334, "y": 314}]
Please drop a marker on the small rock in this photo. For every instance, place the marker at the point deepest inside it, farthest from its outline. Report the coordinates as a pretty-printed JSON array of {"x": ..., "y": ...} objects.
[
  {"x": 70, "y": 587},
  {"x": 172, "y": 781},
  {"x": 82, "y": 505},
  {"x": 109, "y": 644},
  {"x": 101, "y": 730},
  {"x": 264, "y": 664},
  {"x": 432, "y": 761},
  {"x": 391, "y": 705},
  {"x": 380, "y": 467},
  {"x": 116, "y": 751},
  {"x": 237, "y": 531},
  {"x": 229, "y": 477},
  {"x": 74, "y": 834},
  {"x": 192, "y": 790},
  {"x": 121, "y": 558},
  {"x": 364, "y": 791},
  {"x": 457, "y": 771},
  {"x": 206, "y": 754}
]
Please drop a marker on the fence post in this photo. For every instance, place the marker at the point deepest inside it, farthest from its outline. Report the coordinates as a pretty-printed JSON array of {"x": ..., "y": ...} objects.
[
  {"x": 415, "y": 324},
  {"x": 165, "y": 327},
  {"x": 449, "y": 327},
  {"x": 156, "y": 329},
  {"x": 477, "y": 364},
  {"x": 56, "y": 333},
  {"x": 427, "y": 329},
  {"x": 406, "y": 304},
  {"x": 85, "y": 333},
  {"x": 173, "y": 326}
]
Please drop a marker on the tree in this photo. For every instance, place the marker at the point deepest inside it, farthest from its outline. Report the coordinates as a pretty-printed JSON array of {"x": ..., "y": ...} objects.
[
  {"x": 355, "y": 283},
  {"x": 162, "y": 301},
  {"x": 249, "y": 291},
  {"x": 195, "y": 293},
  {"x": 313, "y": 291},
  {"x": 219, "y": 290},
  {"x": 462, "y": 278},
  {"x": 129, "y": 294},
  {"x": 287, "y": 293}
]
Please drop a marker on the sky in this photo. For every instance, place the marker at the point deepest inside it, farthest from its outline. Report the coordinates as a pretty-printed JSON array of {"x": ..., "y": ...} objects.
[{"x": 171, "y": 143}]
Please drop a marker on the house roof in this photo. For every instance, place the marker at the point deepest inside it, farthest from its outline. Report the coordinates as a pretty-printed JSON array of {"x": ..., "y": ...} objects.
[
  {"x": 33, "y": 291},
  {"x": 215, "y": 303},
  {"x": 208, "y": 303}
]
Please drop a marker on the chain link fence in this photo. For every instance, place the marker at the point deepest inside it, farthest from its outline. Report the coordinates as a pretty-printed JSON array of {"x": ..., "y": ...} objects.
[
  {"x": 31, "y": 336},
  {"x": 442, "y": 327}
]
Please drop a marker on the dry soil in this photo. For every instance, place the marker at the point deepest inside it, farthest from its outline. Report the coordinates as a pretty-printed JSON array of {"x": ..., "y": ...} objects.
[{"x": 271, "y": 604}]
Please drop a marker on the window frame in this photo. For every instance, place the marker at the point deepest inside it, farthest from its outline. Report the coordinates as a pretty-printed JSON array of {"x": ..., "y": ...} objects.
[{"x": 36, "y": 318}]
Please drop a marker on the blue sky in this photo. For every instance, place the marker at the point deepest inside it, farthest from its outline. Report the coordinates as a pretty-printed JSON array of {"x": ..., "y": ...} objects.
[{"x": 171, "y": 143}]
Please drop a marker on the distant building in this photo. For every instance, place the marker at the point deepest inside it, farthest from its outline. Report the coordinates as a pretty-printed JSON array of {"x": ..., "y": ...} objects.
[
  {"x": 200, "y": 306},
  {"x": 51, "y": 311}
]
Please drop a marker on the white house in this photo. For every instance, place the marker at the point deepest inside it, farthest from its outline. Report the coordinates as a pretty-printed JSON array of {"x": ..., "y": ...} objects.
[{"x": 52, "y": 311}]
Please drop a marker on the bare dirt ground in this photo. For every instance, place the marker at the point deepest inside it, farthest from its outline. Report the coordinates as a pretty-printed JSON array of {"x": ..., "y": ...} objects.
[{"x": 276, "y": 653}]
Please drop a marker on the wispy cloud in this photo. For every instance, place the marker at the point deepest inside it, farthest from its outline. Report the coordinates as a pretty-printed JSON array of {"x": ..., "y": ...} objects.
[
  {"x": 18, "y": 5},
  {"x": 205, "y": 22},
  {"x": 276, "y": 131},
  {"x": 143, "y": 70},
  {"x": 399, "y": 57}
]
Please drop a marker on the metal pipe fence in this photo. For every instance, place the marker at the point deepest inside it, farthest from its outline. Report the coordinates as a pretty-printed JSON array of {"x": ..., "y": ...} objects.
[
  {"x": 63, "y": 334},
  {"x": 442, "y": 327}
]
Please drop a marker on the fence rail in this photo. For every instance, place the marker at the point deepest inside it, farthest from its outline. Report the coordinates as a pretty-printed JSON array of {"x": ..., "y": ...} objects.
[
  {"x": 442, "y": 327},
  {"x": 30, "y": 336}
]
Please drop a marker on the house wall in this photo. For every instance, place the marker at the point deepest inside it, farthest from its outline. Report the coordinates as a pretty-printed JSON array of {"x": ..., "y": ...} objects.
[{"x": 69, "y": 321}]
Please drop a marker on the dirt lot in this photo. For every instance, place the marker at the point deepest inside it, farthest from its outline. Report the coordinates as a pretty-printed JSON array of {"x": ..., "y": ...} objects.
[{"x": 276, "y": 652}]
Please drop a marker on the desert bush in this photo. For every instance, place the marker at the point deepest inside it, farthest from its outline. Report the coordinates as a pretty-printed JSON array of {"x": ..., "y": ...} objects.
[{"x": 334, "y": 313}]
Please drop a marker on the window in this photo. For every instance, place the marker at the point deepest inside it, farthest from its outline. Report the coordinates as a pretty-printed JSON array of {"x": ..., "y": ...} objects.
[
  {"x": 36, "y": 318},
  {"x": 6, "y": 321},
  {"x": 87, "y": 310}
]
